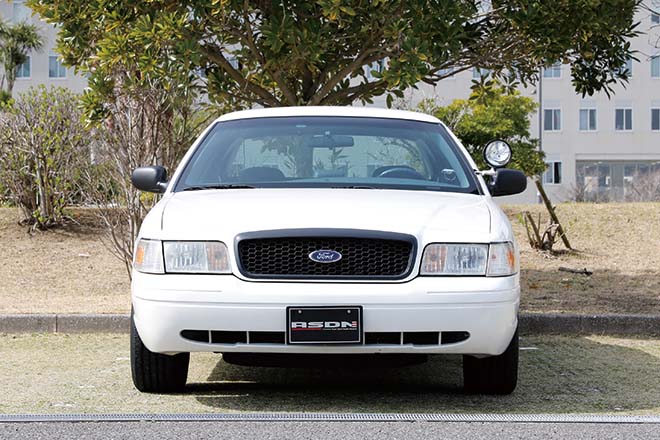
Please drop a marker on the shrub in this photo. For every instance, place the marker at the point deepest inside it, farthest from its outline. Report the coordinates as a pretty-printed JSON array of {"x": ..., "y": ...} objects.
[
  {"x": 5, "y": 99},
  {"x": 140, "y": 127},
  {"x": 43, "y": 147}
]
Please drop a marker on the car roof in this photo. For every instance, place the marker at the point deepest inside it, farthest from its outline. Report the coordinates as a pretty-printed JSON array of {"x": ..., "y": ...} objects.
[{"x": 355, "y": 112}]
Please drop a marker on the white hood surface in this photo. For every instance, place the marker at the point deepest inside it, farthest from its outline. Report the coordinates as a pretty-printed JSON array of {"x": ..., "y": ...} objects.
[{"x": 223, "y": 214}]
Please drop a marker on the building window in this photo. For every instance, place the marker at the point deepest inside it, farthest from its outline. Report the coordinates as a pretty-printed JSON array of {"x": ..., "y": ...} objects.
[
  {"x": 551, "y": 119},
  {"x": 655, "y": 18},
  {"x": 588, "y": 119},
  {"x": 553, "y": 71},
  {"x": 20, "y": 13},
  {"x": 627, "y": 181},
  {"x": 55, "y": 68},
  {"x": 552, "y": 173},
  {"x": 655, "y": 119},
  {"x": 655, "y": 66},
  {"x": 478, "y": 73},
  {"x": 623, "y": 119},
  {"x": 23, "y": 70},
  {"x": 627, "y": 68}
]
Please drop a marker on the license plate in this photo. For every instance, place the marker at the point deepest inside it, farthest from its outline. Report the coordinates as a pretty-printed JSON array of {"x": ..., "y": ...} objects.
[{"x": 324, "y": 325}]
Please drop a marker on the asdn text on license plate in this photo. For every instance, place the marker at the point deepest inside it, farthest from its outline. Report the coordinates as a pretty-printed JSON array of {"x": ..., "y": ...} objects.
[{"x": 324, "y": 325}]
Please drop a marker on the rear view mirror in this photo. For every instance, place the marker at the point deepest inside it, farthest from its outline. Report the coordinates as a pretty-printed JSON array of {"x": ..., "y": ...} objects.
[
  {"x": 331, "y": 141},
  {"x": 151, "y": 179},
  {"x": 508, "y": 182}
]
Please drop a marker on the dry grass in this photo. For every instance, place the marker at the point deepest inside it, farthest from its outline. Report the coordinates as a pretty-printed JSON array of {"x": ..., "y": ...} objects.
[
  {"x": 620, "y": 243},
  {"x": 65, "y": 270},
  {"x": 69, "y": 270},
  {"x": 557, "y": 375}
]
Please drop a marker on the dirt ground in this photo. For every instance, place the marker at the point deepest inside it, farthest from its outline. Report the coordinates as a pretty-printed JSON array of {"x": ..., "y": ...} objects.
[
  {"x": 64, "y": 270},
  {"x": 557, "y": 375},
  {"x": 69, "y": 270},
  {"x": 619, "y": 243}
]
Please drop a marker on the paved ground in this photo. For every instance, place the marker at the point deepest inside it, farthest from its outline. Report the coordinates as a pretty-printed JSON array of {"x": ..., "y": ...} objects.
[
  {"x": 90, "y": 374},
  {"x": 326, "y": 430}
]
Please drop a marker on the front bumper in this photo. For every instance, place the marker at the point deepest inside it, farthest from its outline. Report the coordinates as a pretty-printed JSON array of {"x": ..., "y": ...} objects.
[{"x": 164, "y": 305}]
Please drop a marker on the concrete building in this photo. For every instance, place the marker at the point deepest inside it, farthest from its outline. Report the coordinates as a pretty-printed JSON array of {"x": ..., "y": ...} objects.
[
  {"x": 43, "y": 67},
  {"x": 597, "y": 148}
]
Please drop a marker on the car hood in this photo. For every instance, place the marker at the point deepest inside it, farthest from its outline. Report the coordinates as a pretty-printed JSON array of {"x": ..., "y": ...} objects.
[{"x": 223, "y": 214}]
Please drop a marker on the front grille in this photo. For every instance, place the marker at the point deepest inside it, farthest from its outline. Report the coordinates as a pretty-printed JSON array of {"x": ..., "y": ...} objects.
[{"x": 361, "y": 257}]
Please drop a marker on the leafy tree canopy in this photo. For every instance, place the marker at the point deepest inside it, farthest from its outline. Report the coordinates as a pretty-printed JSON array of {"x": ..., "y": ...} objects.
[
  {"x": 321, "y": 52},
  {"x": 493, "y": 112}
]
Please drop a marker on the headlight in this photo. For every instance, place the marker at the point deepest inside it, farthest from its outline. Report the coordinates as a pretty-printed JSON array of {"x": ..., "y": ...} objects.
[
  {"x": 455, "y": 259},
  {"x": 498, "y": 259},
  {"x": 196, "y": 257},
  {"x": 502, "y": 260},
  {"x": 148, "y": 256}
]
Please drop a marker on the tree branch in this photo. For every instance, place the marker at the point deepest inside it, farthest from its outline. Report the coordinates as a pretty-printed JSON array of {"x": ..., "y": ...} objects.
[
  {"x": 214, "y": 54},
  {"x": 248, "y": 38},
  {"x": 350, "y": 94},
  {"x": 359, "y": 61}
]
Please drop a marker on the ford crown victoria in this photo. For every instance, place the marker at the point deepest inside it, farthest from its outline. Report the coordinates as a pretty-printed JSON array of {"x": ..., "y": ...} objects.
[{"x": 327, "y": 230}]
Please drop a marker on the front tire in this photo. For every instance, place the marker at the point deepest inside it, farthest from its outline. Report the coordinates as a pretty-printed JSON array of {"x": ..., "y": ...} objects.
[
  {"x": 156, "y": 372},
  {"x": 494, "y": 374}
]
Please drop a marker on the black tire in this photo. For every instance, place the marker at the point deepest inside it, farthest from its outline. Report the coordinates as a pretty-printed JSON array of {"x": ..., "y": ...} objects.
[
  {"x": 155, "y": 372},
  {"x": 494, "y": 374}
]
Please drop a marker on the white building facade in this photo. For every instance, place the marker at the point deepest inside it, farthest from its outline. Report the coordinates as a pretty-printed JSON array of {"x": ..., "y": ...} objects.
[
  {"x": 44, "y": 66},
  {"x": 597, "y": 148}
]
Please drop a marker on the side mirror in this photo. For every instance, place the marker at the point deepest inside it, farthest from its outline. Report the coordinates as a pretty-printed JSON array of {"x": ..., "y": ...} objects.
[
  {"x": 508, "y": 182},
  {"x": 151, "y": 179}
]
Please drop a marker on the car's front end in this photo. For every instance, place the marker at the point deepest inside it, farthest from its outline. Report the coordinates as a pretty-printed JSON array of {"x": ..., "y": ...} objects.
[
  {"x": 400, "y": 259},
  {"x": 407, "y": 304}
]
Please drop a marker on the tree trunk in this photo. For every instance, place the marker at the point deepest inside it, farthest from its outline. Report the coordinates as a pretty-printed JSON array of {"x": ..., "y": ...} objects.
[
  {"x": 11, "y": 79},
  {"x": 553, "y": 214},
  {"x": 42, "y": 195}
]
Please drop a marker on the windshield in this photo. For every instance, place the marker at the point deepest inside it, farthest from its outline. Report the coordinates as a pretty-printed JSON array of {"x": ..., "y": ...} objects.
[{"x": 328, "y": 152}]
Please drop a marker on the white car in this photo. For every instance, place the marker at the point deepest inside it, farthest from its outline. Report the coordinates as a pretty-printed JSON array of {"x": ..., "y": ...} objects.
[{"x": 327, "y": 230}]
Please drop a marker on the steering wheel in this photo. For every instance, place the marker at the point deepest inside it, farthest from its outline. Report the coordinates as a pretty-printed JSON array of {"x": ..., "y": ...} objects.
[{"x": 399, "y": 172}]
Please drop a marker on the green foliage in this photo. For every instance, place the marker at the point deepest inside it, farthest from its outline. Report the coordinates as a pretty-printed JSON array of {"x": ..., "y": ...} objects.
[
  {"x": 5, "y": 100},
  {"x": 43, "y": 147},
  {"x": 321, "y": 52},
  {"x": 16, "y": 40},
  {"x": 493, "y": 112}
]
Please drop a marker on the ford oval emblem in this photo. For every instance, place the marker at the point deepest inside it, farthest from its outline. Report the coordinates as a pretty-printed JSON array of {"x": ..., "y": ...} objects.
[{"x": 325, "y": 256}]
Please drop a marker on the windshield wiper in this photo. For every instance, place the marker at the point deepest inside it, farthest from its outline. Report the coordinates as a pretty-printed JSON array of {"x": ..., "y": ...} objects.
[
  {"x": 353, "y": 187},
  {"x": 218, "y": 186}
]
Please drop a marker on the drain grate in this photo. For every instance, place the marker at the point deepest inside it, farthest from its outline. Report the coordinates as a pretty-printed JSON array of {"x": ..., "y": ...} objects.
[{"x": 332, "y": 417}]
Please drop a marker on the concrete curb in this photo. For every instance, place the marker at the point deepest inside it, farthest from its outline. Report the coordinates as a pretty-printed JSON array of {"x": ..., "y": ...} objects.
[
  {"x": 616, "y": 325},
  {"x": 530, "y": 324},
  {"x": 64, "y": 323}
]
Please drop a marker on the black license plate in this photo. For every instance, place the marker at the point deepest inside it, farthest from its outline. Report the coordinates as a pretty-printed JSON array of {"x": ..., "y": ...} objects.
[{"x": 324, "y": 325}]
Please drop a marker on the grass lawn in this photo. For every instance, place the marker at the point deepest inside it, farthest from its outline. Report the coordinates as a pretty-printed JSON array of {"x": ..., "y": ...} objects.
[
  {"x": 69, "y": 270},
  {"x": 557, "y": 375},
  {"x": 619, "y": 242}
]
